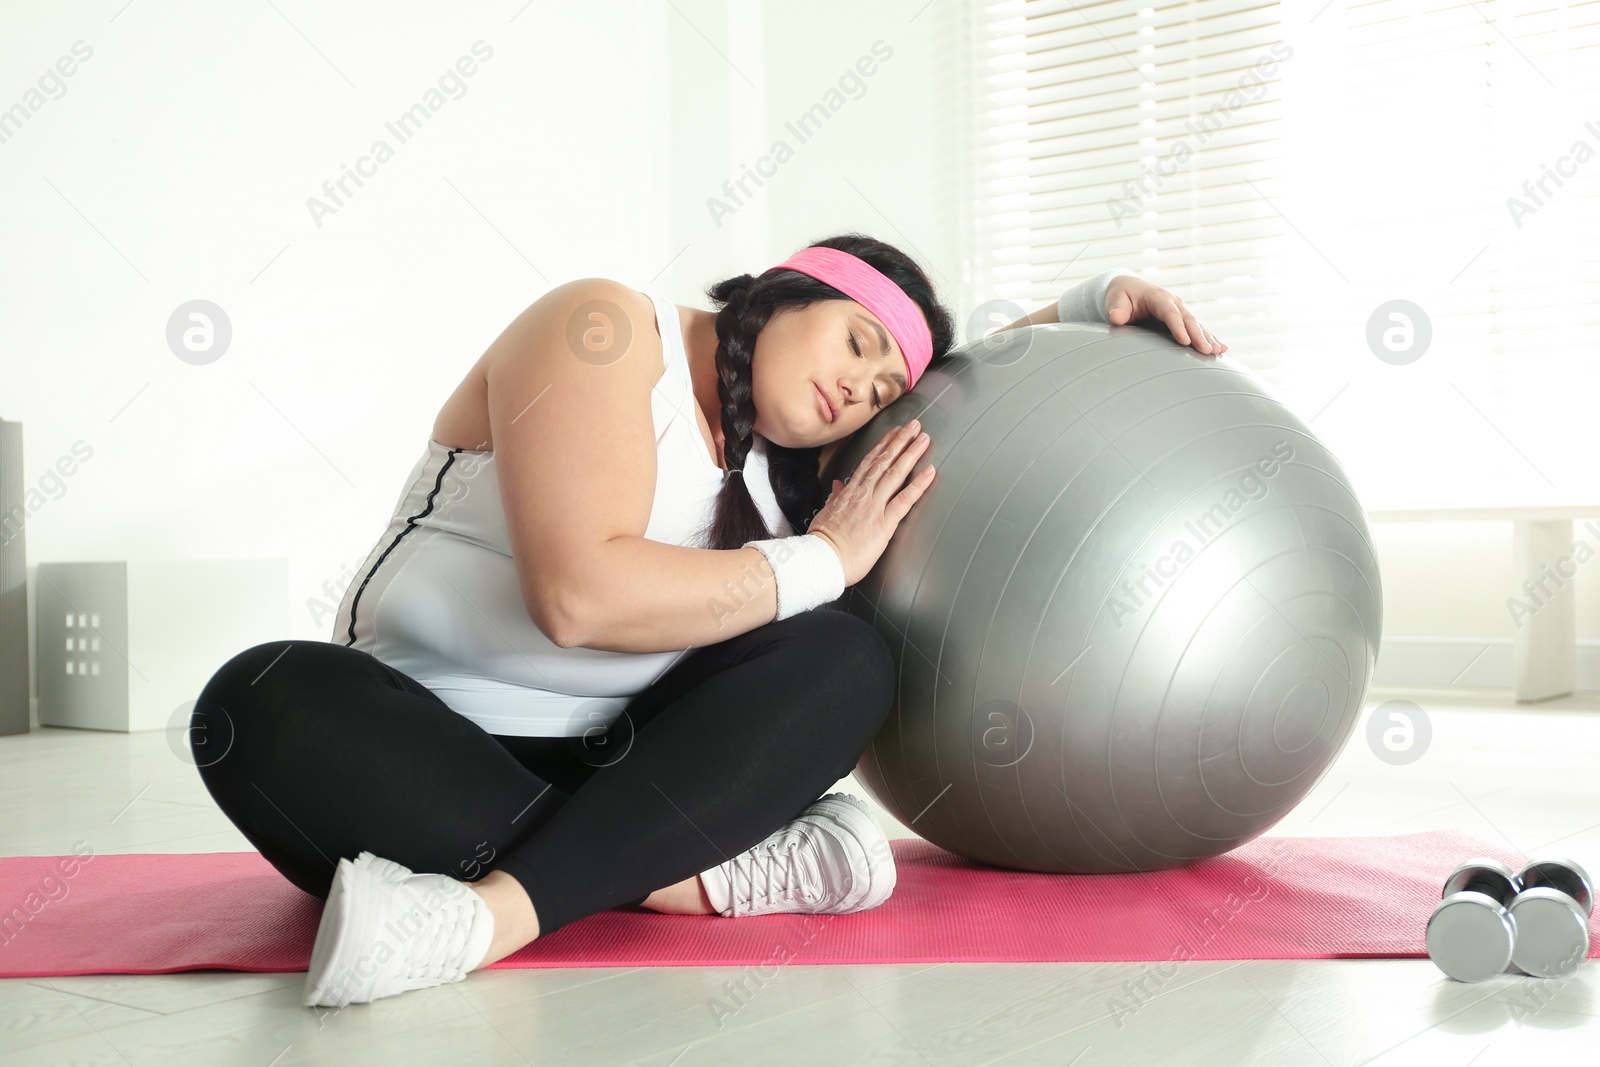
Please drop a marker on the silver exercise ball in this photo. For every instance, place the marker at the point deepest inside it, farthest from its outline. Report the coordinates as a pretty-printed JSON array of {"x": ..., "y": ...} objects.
[{"x": 1135, "y": 615}]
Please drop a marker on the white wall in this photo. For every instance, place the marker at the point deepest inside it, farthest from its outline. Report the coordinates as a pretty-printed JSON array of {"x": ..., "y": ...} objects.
[{"x": 178, "y": 161}]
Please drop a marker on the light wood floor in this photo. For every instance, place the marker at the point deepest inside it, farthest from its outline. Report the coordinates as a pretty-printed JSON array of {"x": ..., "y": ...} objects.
[{"x": 1526, "y": 775}]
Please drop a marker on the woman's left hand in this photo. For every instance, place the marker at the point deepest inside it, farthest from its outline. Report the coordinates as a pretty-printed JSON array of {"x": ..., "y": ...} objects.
[{"x": 1130, "y": 298}]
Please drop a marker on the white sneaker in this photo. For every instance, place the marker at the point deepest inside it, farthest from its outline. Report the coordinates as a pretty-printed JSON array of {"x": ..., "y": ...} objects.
[
  {"x": 832, "y": 858},
  {"x": 385, "y": 930}
]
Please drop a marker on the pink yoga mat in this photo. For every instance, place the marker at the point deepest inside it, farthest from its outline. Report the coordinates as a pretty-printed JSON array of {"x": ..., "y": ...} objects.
[{"x": 1275, "y": 898}]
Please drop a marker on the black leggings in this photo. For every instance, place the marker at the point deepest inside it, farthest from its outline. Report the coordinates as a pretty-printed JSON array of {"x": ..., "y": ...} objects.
[{"x": 316, "y": 750}]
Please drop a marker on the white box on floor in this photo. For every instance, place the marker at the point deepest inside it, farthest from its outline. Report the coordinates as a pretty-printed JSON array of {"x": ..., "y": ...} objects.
[
  {"x": 123, "y": 645},
  {"x": 13, "y": 584}
]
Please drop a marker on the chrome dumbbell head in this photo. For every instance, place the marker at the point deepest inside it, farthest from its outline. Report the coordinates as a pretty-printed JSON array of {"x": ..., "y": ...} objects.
[
  {"x": 1551, "y": 918},
  {"x": 1471, "y": 933}
]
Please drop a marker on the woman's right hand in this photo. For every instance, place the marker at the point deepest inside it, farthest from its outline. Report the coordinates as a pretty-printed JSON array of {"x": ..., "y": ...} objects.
[{"x": 863, "y": 513}]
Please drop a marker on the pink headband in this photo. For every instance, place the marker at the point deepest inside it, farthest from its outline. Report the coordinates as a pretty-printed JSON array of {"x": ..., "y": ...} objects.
[{"x": 872, "y": 289}]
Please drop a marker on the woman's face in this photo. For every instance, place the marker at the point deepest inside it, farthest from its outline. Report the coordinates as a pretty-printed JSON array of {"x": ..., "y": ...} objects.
[{"x": 835, "y": 348}]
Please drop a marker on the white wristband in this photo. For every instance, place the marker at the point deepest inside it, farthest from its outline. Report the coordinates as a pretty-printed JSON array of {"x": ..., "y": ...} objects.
[
  {"x": 1086, "y": 301},
  {"x": 807, "y": 570}
]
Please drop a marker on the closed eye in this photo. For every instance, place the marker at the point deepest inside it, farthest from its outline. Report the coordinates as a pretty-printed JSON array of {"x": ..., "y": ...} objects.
[{"x": 877, "y": 403}]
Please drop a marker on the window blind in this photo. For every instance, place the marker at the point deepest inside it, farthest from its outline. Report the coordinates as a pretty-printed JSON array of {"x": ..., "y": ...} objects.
[{"x": 1288, "y": 169}]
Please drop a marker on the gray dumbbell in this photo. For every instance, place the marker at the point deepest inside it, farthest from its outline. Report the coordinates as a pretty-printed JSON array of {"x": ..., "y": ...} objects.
[
  {"x": 1471, "y": 933},
  {"x": 1551, "y": 917}
]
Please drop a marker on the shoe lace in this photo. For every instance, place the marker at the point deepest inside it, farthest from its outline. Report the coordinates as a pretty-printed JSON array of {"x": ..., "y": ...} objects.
[
  {"x": 440, "y": 940},
  {"x": 780, "y": 871}
]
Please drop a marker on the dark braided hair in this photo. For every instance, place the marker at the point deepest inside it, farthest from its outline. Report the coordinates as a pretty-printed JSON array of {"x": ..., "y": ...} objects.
[{"x": 747, "y": 303}]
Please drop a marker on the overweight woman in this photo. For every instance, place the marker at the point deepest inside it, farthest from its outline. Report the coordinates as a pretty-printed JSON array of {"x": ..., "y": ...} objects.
[{"x": 593, "y": 659}]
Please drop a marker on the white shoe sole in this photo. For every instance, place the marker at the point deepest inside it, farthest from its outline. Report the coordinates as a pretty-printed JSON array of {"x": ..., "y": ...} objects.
[
  {"x": 330, "y": 931},
  {"x": 345, "y": 931}
]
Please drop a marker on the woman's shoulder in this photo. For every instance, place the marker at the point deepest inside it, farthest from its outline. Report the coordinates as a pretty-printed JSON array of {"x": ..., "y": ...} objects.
[
  {"x": 607, "y": 304},
  {"x": 619, "y": 318},
  {"x": 599, "y": 320}
]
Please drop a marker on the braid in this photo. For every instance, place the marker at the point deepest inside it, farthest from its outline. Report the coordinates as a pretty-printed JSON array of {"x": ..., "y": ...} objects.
[
  {"x": 735, "y": 382},
  {"x": 736, "y": 519}
]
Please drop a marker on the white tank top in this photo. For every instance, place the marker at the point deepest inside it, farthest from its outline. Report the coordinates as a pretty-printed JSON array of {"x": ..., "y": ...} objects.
[{"x": 438, "y": 597}]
